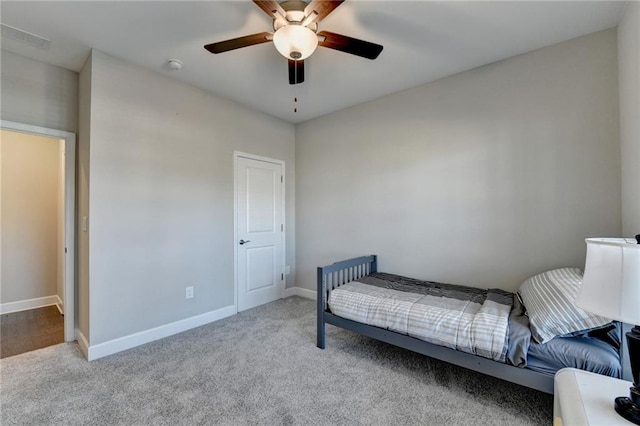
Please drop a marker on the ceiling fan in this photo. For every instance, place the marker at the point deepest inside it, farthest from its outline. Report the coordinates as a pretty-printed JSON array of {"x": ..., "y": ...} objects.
[{"x": 296, "y": 36}]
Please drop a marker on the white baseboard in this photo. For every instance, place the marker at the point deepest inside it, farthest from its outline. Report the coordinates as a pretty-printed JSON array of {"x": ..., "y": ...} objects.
[
  {"x": 59, "y": 305},
  {"x": 23, "y": 305},
  {"x": 131, "y": 341},
  {"x": 299, "y": 291}
]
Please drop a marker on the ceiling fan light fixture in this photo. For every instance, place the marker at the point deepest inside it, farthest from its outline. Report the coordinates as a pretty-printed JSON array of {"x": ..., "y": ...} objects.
[{"x": 295, "y": 41}]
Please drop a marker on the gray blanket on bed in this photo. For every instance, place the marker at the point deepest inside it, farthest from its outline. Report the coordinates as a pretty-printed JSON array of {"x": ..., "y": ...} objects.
[
  {"x": 463, "y": 318},
  {"x": 431, "y": 288}
]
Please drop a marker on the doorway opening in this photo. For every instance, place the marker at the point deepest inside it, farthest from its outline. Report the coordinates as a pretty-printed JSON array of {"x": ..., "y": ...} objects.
[{"x": 37, "y": 219}]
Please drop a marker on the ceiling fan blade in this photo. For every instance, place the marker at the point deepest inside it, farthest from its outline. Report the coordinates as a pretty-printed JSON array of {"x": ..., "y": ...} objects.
[
  {"x": 271, "y": 8},
  {"x": 322, "y": 8},
  {"x": 349, "y": 45},
  {"x": 237, "y": 43},
  {"x": 296, "y": 71}
]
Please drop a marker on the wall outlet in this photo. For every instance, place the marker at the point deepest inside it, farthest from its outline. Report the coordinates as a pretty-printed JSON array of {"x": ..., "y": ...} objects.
[{"x": 189, "y": 292}]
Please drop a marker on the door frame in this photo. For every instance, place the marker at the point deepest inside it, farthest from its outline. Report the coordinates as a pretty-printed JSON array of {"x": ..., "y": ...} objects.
[
  {"x": 69, "y": 271},
  {"x": 236, "y": 155}
]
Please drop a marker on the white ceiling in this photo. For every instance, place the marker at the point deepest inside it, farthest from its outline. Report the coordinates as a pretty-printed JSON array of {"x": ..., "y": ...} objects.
[{"x": 422, "y": 40}]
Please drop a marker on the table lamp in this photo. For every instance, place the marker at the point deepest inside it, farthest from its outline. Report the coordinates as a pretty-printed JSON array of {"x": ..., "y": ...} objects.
[{"x": 611, "y": 288}]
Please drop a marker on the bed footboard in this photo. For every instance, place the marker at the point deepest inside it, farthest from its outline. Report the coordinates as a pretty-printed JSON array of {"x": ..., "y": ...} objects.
[{"x": 335, "y": 275}]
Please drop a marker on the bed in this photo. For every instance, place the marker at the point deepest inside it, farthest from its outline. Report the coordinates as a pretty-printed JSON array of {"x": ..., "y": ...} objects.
[{"x": 485, "y": 330}]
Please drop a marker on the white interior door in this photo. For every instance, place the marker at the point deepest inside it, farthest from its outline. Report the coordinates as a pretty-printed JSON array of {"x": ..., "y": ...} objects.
[{"x": 259, "y": 230}]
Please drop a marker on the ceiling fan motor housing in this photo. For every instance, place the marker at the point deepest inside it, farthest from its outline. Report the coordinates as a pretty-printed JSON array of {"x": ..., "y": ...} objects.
[{"x": 294, "y": 14}]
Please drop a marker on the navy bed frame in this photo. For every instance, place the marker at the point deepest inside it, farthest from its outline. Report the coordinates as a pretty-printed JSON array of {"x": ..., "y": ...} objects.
[{"x": 339, "y": 273}]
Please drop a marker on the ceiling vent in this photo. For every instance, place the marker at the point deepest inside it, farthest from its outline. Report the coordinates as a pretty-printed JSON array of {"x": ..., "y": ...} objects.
[{"x": 25, "y": 37}]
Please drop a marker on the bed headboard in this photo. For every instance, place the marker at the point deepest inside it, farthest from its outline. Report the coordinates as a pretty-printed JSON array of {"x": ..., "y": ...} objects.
[
  {"x": 339, "y": 273},
  {"x": 335, "y": 275}
]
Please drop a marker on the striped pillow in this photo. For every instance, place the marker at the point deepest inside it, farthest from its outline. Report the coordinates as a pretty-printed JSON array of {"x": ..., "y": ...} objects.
[{"x": 548, "y": 298}]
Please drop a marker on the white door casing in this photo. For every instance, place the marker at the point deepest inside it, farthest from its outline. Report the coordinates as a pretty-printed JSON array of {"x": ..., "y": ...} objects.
[
  {"x": 68, "y": 299},
  {"x": 259, "y": 236}
]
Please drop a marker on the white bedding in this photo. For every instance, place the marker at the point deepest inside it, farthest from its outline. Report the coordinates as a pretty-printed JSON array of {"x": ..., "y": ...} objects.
[{"x": 476, "y": 328}]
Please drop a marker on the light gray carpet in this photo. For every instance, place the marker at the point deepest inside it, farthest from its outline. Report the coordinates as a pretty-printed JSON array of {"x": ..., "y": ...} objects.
[{"x": 258, "y": 367}]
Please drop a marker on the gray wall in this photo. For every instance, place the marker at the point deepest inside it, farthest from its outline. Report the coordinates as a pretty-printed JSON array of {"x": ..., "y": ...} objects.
[
  {"x": 629, "y": 64},
  {"x": 30, "y": 216},
  {"x": 38, "y": 94},
  {"x": 161, "y": 195},
  {"x": 483, "y": 178}
]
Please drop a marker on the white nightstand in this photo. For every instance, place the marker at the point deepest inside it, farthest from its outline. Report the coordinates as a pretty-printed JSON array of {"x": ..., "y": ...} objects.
[{"x": 583, "y": 398}]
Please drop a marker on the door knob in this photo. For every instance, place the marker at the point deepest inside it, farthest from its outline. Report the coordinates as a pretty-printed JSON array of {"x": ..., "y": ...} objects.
[{"x": 244, "y": 242}]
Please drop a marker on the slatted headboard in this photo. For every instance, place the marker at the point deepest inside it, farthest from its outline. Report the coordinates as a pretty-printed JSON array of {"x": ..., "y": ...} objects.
[{"x": 335, "y": 275}]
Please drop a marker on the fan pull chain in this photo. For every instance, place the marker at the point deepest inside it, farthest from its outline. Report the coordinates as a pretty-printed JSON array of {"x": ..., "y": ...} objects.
[{"x": 295, "y": 89}]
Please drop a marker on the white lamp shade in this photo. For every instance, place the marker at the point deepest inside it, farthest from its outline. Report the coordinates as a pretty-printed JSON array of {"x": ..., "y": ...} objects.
[
  {"x": 611, "y": 282},
  {"x": 295, "y": 38}
]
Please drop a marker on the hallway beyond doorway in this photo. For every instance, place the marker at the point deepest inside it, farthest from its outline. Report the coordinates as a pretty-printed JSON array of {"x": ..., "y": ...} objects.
[{"x": 29, "y": 330}]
